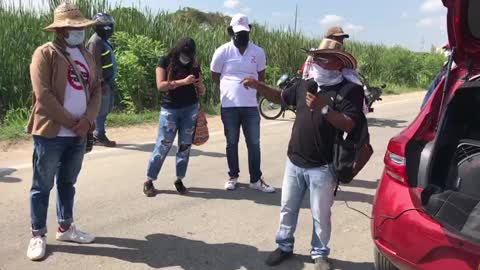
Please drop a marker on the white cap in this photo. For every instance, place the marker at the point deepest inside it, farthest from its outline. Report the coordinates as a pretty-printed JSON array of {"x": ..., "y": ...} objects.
[{"x": 240, "y": 23}]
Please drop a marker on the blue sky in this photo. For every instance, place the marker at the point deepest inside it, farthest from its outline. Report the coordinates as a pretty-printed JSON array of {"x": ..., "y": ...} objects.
[{"x": 415, "y": 24}]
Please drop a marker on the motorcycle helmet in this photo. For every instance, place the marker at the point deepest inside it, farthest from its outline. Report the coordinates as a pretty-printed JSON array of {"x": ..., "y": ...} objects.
[
  {"x": 103, "y": 18},
  {"x": 105, "y": 24}
]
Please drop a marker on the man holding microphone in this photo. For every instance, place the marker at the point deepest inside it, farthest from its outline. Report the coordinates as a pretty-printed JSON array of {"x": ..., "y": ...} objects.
[{"x": 310, "y": 151}]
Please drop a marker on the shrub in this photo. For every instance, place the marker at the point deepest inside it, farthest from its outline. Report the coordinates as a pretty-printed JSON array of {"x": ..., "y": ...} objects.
[{"x": 137, "y": 56}]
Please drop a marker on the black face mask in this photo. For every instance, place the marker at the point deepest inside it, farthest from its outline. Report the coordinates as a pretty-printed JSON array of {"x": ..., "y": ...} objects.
[
  {"x": 105, "y": 32},
  {"x": 241, "y": 39}
]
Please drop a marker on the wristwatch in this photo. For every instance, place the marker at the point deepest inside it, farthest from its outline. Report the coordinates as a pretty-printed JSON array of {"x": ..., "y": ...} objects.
[{"x": 325, "y": 110}]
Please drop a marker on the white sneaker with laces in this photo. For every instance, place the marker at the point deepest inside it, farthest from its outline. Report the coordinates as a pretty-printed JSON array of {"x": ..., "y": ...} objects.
[
  {"x": 262, "y": 186},
  {"x": 36, "y": 248},
  {"x": 231, "y": 184},
  {"x": 76, "y": 236}
]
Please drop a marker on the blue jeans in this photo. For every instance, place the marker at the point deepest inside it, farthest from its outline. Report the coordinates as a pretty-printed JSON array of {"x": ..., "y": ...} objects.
[
  {"x": 57, "y": 159},
  {"x": 433, "y": 86},
  {"x": 321, "y": 184},
  {"x": 172, "y": 120},
  {"x": 248, "y": 119},
  {"x": 105, "y": 108}
]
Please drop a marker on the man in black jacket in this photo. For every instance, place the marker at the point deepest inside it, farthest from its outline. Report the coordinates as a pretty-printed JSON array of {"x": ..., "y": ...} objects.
[
  {"x": 310, "y": 151},
  {"x": 101, "y": 48}
]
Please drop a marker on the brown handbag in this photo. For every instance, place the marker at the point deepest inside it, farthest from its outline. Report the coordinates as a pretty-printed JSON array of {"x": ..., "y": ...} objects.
[{"x": 201, "y": 134}]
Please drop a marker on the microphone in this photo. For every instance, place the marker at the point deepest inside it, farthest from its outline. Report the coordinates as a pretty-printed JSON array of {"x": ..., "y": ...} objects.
[{"x": 312, "y": 87}]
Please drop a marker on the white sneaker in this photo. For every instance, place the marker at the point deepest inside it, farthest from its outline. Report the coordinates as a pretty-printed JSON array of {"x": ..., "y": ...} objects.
[
  {"x": 76, "y": 236},
  {"x": 231, "y": 184},
  {"x": 36, "y": 248},
  {"x": 262, "y": 186}
]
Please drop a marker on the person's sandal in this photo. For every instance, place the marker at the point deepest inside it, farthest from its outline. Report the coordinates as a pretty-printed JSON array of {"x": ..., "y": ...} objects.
[{"x": 180, "y": 187}]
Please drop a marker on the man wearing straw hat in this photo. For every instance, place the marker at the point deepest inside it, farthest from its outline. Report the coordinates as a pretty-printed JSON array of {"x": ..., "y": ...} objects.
[
  {"x": 66, "y": 101},
  {"x": 310, "y": 151},
  {"x": 335, "y": 33}
]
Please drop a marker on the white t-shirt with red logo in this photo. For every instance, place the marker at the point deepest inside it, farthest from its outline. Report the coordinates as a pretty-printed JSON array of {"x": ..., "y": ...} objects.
[
  {"x": 75, "y": 100},
  {"x": 234, "y": 67}
]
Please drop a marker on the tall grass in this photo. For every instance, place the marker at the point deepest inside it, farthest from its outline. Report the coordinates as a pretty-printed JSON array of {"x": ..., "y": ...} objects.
[{"x": 22, "y": 32}]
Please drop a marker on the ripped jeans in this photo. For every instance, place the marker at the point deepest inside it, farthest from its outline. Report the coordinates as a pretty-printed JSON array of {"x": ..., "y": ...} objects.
[{"x": 172, "y": 120}]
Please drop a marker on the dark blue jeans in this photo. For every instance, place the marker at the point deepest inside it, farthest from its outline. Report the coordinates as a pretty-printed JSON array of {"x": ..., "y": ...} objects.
[
  {"x": 57, "y": 159},
  {"x": 106, "y": 107},
  {"x": 248, "y": 119}
]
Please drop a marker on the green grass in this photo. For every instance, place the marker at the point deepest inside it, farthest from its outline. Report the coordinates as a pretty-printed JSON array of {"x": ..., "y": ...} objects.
[
  {"x": 398, "y": 90},
  {"x": 144, "y": 34},
  {"x": 121, "y": 119},
  {"x": 390, "y": 65},
  {"x": 15, "y": 130},
  {"x": 211, "y": 109}
]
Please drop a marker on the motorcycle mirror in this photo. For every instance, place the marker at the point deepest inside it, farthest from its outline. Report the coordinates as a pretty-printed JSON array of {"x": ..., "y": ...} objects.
[
  {"x": 384, "y": 86},
  {"x": 282, "y": 79}
]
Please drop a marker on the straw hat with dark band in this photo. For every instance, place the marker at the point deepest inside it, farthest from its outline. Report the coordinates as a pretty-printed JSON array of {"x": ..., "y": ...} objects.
[
  {"x": 68, "y": 15},
  {"x": 336, "y": 31},
  {"x": 334, "y": 48}
]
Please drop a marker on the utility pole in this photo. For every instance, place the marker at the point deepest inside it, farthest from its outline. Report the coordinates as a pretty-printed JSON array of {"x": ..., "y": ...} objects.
[{"x": 296, "y": 18}]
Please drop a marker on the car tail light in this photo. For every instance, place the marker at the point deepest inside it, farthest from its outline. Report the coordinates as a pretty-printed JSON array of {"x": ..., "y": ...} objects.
[{"x": 395, "y": 159}]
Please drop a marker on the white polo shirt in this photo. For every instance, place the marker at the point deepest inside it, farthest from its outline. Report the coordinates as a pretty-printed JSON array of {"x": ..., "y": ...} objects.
[{"x": 234, "y": 67}]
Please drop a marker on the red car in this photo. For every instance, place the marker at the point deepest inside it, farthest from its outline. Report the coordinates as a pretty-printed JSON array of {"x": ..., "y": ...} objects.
[{"x": 426, "y": 213}]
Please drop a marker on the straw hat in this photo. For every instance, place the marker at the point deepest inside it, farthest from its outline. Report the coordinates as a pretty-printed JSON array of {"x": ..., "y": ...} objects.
[
  {"x": 336, "y": 31},
  {"x": 68, "y": 15},
  {"x": 335, "y": 48}
]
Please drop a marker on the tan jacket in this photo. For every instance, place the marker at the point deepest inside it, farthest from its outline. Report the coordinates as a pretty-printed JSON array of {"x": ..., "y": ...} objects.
[{"x": 48, "y": 72}]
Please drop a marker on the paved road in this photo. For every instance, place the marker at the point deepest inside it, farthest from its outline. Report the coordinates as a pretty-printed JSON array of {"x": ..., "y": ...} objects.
[{"x": 207, "y": 229}]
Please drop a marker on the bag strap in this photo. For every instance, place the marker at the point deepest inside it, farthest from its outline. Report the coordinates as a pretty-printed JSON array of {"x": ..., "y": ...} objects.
[
  {"x": 75, "y": 69},
  {"x": 339, "y": 96}
]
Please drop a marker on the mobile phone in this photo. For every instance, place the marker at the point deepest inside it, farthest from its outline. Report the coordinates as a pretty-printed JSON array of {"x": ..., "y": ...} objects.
[{"x": 196, "y": 73}]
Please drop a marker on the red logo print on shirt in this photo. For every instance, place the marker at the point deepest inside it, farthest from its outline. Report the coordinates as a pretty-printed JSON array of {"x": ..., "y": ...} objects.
[
  {"x": 254, "y": 60},
  {"x": 72, "y": 77}
]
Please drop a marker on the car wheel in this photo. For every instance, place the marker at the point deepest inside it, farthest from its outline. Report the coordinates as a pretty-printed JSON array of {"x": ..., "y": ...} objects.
[{"x": 382, "y": 263}]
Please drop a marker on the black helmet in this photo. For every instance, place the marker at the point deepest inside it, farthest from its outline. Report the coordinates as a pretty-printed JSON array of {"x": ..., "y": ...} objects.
[{"x": 103, "y": 18}]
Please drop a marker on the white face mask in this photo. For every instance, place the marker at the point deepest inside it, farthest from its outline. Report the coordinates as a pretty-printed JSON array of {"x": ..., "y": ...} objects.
[
  {"x": 325, "y": 77},
  {"x": 185, "y": 60},
  {"x": 352, "y": 76},
  {"x": 75, "y": 37}
]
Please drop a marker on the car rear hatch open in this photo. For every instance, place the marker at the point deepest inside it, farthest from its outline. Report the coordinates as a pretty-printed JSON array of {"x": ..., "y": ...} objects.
[{"x": 452, "y": 192}]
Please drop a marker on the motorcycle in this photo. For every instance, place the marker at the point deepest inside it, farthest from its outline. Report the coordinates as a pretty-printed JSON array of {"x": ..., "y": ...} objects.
[
  {"x": 272, "y": 111},
  {"x": 372, "y": 93}
]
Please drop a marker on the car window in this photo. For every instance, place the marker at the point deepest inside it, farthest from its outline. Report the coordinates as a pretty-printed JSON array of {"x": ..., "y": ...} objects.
[{"x": 473, "y": 18}]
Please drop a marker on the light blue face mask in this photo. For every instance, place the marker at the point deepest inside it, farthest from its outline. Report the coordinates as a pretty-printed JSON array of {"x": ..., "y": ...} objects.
[{"x": 75, "y": 37}]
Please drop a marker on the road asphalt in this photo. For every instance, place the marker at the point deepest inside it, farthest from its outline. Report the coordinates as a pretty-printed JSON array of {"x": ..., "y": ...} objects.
[{"x": 209, "y": 228}]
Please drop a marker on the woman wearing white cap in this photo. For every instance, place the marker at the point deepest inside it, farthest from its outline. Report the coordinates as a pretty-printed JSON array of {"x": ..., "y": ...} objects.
[{"x": 231, "y": 63}]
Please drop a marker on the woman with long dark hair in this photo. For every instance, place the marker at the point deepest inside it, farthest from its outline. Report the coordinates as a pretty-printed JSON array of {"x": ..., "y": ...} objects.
[{"x": 178, "y": 77}]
